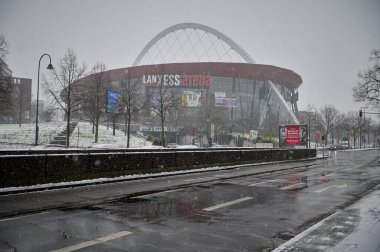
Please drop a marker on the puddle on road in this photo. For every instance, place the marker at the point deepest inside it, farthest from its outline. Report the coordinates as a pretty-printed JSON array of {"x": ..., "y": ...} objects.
[{"x": 188, "y": 204}]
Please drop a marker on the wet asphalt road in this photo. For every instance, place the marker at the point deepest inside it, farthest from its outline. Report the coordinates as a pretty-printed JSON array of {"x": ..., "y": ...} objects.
[{"x": 212, "y": 212}]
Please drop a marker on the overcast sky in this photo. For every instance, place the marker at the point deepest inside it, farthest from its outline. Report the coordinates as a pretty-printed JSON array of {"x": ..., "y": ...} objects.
[{"x": 326, "y": 42}]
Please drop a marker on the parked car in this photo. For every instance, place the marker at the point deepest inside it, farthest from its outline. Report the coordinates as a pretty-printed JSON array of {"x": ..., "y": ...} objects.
[
  {"x": 322, "y": 147},
  {"x": 333, "y": 148}
]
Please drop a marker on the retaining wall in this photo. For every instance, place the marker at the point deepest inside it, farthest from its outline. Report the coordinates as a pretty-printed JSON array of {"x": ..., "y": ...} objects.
[{"x": 29, "y": 169}]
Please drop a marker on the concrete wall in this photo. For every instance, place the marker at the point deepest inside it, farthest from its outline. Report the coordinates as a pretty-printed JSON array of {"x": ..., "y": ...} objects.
[{"x": 20, "y": 170}]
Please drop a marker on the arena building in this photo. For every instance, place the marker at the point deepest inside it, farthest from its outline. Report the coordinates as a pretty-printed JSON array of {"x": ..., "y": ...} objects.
[{"x": 222, "y": 93}]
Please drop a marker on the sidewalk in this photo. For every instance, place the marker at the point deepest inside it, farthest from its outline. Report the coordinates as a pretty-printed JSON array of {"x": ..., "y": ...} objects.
[{"x": 356, "y": 228}]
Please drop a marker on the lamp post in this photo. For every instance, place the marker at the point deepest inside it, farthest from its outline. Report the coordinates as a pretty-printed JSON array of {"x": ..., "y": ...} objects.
[
  {"x": 362, "y": 133},
  {"x": 50, "y": 67}
]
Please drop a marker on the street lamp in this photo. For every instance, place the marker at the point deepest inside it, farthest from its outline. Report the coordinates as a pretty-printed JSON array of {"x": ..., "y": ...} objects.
[
  {"x": 362, "y": 130},
  {"x": 50, "y": 67}
]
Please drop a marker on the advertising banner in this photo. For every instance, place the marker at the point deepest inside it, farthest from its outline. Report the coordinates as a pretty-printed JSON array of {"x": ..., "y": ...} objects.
[
  {"x": 225, "y": 102},
  {"x": 253, "y": 134},
  {"x": 293, "y": 135},
  {"x": 222, "y": 101},
  {"x": 191, "y": 98},
  {"x": 155, "y": 98},
  {"x": 114, "y": 102}
]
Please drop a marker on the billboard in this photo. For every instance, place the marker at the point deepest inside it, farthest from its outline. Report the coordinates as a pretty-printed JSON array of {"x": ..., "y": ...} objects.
[
  {"x": 293, "y": 135},
  {"x": 156, "y": 98},
  {"x": 222, "y": 101},
  {"x": 114, "y": 102},
  {"x": 191, "y": 98}
]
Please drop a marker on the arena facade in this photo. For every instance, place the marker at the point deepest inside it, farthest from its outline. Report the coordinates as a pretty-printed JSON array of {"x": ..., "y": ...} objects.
[{"x": 210, "y": 98}]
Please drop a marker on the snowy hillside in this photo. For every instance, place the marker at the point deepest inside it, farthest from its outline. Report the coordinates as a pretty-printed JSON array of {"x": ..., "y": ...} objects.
[{"x": 14, "y": 137}]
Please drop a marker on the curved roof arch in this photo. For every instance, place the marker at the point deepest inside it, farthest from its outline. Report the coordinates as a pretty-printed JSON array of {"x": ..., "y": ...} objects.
[
  {"x": 280, "y": 76},
  {"x": 243, "y": 54}
]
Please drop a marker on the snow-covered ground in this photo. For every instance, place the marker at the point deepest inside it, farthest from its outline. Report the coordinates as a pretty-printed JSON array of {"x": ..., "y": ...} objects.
[
  {"x": 14, "y": 137},
  {"x": 86, "y": 138}
]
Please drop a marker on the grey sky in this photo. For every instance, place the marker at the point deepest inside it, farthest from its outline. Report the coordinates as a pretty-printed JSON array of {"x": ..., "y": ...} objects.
[{"x": 326, "y": 42}]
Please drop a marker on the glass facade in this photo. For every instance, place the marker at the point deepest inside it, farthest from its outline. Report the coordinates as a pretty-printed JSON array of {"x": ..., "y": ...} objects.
[{"x": 236, "y": 104}]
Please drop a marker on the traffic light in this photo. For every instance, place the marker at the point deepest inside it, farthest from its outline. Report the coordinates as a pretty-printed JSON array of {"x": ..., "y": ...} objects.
[
  {"x": 323, "y": 137},
  {"x": 360, "y": 113}
]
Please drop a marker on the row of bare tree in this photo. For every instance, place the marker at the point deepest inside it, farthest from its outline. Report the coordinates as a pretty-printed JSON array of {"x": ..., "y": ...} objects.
[
  {"x": 86, "y": 97},
  {"x": 336, "y": 125}
]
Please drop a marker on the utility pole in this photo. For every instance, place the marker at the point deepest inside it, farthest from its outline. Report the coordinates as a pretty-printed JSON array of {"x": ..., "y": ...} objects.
[{"x": 360, "y": 128}]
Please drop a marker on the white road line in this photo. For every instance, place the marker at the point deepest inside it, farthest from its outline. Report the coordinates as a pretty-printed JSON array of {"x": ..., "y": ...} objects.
[
  {"x": 227, "y": 204},
  {"x": 23, "y": 216},
  {"x": 289, "y": 187},
  {"x": 260, "y": 183},
  {"x": 93, "y": 242},
  {"x": 329, "y": 187},
  {"x": 329, "y": 175}
]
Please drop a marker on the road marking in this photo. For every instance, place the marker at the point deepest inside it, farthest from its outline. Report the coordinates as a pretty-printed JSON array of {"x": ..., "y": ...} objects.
[
  {"x": 329, "y": 175},
  {"x": 329, "y": 187},
  {"x": 93, "y": 242},
  {"x": 23, "y": 216},
  {"x": 260, "y": 183},
  {"x": 289, "y": 187},
  {"x": 227, "y": 204}
]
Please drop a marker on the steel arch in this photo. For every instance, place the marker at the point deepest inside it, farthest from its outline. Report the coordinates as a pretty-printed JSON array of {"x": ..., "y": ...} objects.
[{"x": 196, "y": 26}]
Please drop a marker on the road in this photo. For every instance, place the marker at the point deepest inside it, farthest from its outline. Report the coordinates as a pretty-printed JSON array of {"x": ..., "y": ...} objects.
[{"x": 251, "y": 208}]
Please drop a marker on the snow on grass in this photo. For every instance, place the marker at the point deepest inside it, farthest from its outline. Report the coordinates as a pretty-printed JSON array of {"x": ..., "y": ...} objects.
[
  {"x": 25, "y": 135},
  {"x": 14, "y": 137},
  {"x": 86, "y": 138}
]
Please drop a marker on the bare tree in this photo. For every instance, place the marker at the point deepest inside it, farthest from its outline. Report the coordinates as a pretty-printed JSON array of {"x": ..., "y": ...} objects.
[
  {"x": 63, "y": 88},
  {"x": 328, "y": 120},
  {"x": 94, "y": 96},
  {"x": 352, "y": 125},
  {"x": 6, "y": 104},
  {"x": 337, "y": 131},
  {"x": 3, "y": 47},
  {"x": 50, "y": 110},
  {"x": 133, "y": 101},
  {"x": 163, "y": 101},
  {"x": 368, "y": 88},
  {"x": 311, "y": 122},
  {"x": 212, "y": 115}
]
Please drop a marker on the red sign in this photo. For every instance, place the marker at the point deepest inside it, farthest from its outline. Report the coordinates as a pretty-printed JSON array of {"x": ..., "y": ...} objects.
[{"x": 291, "y": 135}]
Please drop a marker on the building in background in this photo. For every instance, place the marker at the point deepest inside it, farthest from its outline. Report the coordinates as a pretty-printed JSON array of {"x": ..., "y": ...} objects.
[
  {"x": 17, "y": 98},
  {"x": 217, "y": 87}
]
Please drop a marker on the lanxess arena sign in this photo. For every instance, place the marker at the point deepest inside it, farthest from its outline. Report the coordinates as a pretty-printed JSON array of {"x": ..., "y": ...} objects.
[{"x": 176, "y": 80}]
